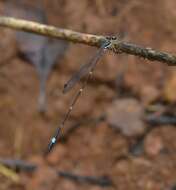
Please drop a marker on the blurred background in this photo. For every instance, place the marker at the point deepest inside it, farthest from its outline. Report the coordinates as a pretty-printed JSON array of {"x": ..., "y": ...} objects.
[{"x": 121, "y": 133}]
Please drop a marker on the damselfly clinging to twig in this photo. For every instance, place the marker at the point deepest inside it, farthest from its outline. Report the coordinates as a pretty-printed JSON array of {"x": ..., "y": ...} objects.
[{"x": 86, "y": 69}]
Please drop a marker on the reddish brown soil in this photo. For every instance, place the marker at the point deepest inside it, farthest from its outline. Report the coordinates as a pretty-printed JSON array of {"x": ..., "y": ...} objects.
[{"x": 94, "y": 148}]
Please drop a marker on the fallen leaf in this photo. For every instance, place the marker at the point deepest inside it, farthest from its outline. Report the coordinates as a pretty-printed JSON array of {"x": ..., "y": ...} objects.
[
  {"x": 43, "y": 178},
  {"x": 126, "y": 115},
  {"x": 153, "y": 145},
  {"x": 41, "y": 51}
]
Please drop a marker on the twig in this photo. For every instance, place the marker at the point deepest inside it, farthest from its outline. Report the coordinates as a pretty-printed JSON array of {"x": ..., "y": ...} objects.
[
  {"x": 160, "y": 120},
  {"x": 18, "y": 165},
  {"x": 103, "y": 181},
  {"x": 21, "y": 165},
  {"x": 93, "y": 40}
]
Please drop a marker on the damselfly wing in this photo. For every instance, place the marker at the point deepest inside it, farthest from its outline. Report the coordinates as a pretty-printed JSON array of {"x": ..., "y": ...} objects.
[{"x": 85, "y": 68}]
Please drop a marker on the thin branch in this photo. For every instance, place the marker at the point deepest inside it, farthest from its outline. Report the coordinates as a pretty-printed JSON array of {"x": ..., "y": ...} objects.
[
  {"x": 117, "y": 46},
  {"x": 20, "y": 165}
]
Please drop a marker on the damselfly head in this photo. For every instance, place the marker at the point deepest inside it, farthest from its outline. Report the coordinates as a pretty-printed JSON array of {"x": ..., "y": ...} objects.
[
  {"x": 108, "y": 41},
  {"x": 114, "y": 40}
]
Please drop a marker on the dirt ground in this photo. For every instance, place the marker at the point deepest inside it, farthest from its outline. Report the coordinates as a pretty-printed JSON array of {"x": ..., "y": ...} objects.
[{"x": 121, "y": 131}]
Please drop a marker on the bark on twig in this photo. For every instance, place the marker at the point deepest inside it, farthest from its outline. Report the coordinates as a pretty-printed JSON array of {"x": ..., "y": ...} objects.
[{"x": 117, "y": 46}]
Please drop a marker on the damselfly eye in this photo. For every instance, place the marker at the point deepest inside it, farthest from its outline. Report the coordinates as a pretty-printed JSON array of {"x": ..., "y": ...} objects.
[{"x": 111, "y": 37}]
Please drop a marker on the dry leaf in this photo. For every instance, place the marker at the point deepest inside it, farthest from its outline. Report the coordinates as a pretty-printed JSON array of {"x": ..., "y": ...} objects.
[
  {"x": 41, "y": 51},
  {"x": 126, "y": 115}
]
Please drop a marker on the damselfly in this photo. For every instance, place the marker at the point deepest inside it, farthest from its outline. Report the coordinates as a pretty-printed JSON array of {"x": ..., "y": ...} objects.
[{"x": 86, "y": 69}]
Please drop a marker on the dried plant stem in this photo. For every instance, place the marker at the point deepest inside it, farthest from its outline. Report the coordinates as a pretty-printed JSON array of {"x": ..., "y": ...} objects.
[
  {"x": 9, "y": 173},
  {"x": 88, "y": 39}
]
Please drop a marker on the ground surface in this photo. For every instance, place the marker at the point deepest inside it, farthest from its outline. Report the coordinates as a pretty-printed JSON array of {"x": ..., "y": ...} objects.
[{"x": 123, "y": 147}]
